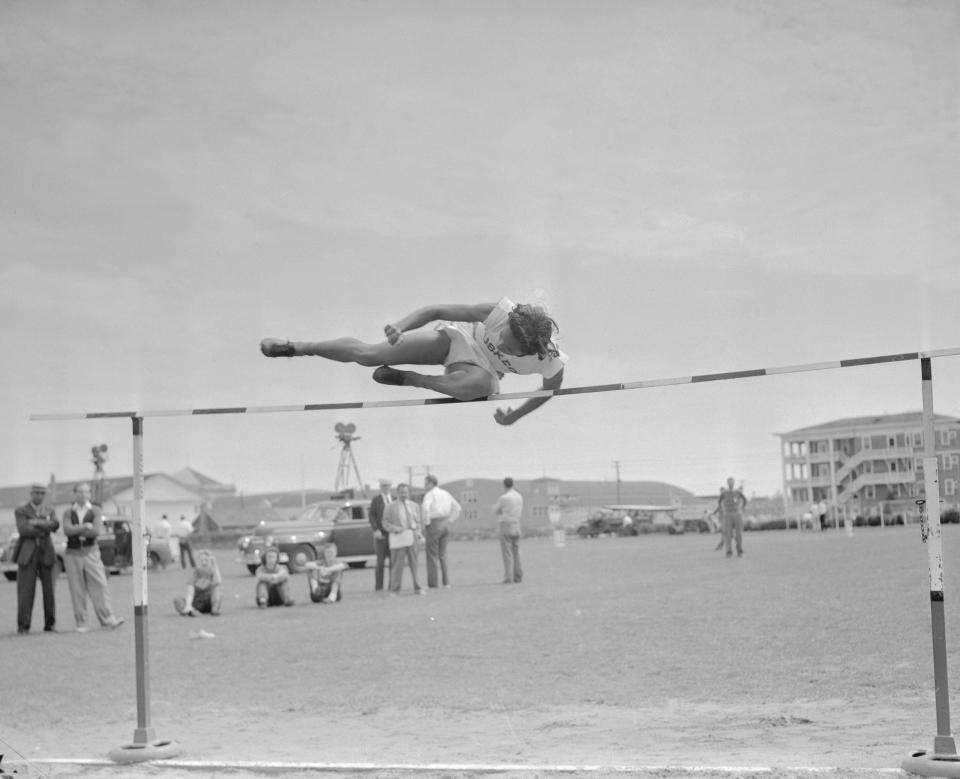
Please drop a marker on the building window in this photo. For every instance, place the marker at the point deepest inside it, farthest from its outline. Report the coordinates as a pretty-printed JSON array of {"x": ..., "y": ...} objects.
[
  {"x": 869, "y": 492},
  {"x": 866, "y": 442},
  {"x": 469, "y": 496},
  {"x": 471, "y": 514},
  {"x": 918, "y": 440},
  {"x": 949, "y": 487}
]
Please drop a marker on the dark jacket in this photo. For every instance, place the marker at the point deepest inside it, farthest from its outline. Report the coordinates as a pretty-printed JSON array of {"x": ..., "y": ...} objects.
[
  {"x": 375, "y": 513},
  {"x": 35, "y": 524}
]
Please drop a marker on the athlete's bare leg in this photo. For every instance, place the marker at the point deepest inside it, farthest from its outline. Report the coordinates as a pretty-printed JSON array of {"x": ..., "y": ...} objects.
[
  {"x": 461, "y": 380},
  {"x": 422, "y": 347}
]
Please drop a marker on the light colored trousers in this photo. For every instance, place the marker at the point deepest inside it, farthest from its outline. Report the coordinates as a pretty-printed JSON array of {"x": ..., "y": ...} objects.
[
  {"x": 398, "y": 557},
  {"x": 86, "y": 576},
  {"x": 510, "y": 551}
]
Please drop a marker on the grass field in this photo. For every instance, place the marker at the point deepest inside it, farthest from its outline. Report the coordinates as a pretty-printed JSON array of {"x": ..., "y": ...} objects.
[{"x": 811, "y": 650}]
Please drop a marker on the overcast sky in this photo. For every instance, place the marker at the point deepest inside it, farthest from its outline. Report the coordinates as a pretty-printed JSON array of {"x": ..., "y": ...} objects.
[{"x": 691, "y": 187}]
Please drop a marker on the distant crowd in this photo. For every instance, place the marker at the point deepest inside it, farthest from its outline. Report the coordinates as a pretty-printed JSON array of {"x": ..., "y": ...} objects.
[{"x": 401, "y": 527}]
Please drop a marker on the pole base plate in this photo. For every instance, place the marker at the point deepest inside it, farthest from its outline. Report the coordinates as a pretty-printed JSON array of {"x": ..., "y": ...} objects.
[{"x": 134, "y": 752}]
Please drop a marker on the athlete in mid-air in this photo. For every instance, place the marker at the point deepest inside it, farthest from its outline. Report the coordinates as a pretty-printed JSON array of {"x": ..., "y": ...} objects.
[{"x": 476, "y": 344}]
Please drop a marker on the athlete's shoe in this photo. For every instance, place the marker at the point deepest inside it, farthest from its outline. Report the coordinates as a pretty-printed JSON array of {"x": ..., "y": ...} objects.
[
  {"x": 386, "y": 375},
  {"x": 274, "y": 347}
]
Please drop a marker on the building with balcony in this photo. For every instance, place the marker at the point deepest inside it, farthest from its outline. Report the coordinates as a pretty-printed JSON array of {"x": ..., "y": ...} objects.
[{"x": 868, "y": 466}]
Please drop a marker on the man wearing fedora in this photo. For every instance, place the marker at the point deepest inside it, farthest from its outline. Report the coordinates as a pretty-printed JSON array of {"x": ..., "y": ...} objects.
[
  {"x": 35, "y": 557},
  {"x": 381, "y": 538}
]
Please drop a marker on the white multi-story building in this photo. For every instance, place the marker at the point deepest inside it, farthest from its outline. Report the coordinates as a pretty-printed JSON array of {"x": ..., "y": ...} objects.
[{"x": 868, "y": 466}]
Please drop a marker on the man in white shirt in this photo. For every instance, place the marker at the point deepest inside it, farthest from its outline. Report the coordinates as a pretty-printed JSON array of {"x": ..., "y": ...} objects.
[
  {"x": 439, "y": 509},
  {"x": 821, "y": 511},
  {"x": 164, "y": 532},
  {"x": 182, "y": 531},
  {"x": 509, "y": 509}
]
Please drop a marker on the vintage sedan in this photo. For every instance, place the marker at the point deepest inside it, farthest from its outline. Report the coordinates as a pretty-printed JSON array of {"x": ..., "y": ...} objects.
[
  {"x": 343, "y": 522},
  {"x": 116, "y": 549}
]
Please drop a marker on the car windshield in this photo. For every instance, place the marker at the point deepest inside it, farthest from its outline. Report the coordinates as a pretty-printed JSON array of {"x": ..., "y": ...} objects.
[
  {"x": 319, "y": 513},
  {"x": 348, "y": 514}
]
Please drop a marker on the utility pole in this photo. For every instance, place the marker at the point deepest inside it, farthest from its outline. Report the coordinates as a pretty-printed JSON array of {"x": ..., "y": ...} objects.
[
  {"x": 616, "y": 464},
  {"x": 425, "y": 468}
]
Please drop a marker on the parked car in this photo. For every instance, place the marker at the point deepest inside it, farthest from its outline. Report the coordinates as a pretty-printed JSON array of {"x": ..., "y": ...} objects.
[
  {"x": 600, "y": 523},
  {"x": 116, "y": 549},
  {"x": 631, "y": 520},
  {"x": 343, "y": 522}
]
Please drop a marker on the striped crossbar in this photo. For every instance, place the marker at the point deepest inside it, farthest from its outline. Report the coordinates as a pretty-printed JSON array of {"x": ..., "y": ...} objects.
[{"x": 856, "y": 362}]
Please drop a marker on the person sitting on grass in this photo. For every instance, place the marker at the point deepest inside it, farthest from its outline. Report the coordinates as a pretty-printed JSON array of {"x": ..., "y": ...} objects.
[
  {"x": 203, "y": 588},
  {"x": 325, "y": 575},
  {"x": 273, "y": 581}
]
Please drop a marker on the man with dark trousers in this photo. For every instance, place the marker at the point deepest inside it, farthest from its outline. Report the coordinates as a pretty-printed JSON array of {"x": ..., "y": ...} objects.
[
  {"x": 35, "y": 556},
  {"x": 380, "y": 537}
]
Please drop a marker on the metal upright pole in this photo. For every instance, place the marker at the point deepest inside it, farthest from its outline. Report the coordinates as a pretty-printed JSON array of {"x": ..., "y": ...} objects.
[
  {"x": 943, "y": 743},
  {"x": 145, "y": 745},
  {"x": 943, "y": 761},
  {"x": 144, "y": 733}
]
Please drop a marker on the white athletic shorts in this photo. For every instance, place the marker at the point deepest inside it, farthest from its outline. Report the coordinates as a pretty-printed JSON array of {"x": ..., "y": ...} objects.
[{"x": 464, "y": 348}]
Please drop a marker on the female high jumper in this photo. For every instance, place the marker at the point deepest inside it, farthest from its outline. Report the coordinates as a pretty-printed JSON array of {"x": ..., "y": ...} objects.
[{"x": 476, "y": 344}]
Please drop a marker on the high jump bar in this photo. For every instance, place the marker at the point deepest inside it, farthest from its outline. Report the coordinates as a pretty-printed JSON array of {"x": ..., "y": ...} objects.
[{"x": 855, "y": 362}]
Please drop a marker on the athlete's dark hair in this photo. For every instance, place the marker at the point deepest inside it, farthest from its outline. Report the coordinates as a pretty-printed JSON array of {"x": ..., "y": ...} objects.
[{"x": 534, "y": 330}]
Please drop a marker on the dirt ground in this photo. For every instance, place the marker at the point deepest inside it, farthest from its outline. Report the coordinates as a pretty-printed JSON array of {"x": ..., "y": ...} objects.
[{"x": 813, "y": 650}]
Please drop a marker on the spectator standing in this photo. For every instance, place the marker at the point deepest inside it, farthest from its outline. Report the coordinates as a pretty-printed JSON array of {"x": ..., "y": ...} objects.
[
  {"x": 35, "y": 557},
  {"x": 401, "y": 520},
  {"x": 86, "y": 577},
  {"x": 509, "y": 510},
  {"x": 439, "y": 509},
  {"x": 165, "y": 534},
  {"x": 731, "y": 504},
  {"x": 182, "y": 531},
  {"x": 820, "y": 510},
  {"x": 381, "y": 538},
  {"x": 203, "y": 588},
  {"x": 273, "y": 580}
]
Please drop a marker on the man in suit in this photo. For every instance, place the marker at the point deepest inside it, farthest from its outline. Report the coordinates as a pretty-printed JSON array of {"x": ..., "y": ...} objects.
[
  {"x": 35, "y": 557},
  {"x": 401, "y": 520},
  {"x": 380, "y": 536}
]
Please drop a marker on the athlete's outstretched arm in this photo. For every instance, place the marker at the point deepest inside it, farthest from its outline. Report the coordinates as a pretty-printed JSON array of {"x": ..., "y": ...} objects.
[
  {"x": 510, "y": 416},
  {"x": 454, "y": 312}
]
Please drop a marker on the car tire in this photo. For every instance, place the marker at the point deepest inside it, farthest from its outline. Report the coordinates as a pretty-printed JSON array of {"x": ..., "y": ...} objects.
[{"x": 301, "y": 555}]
